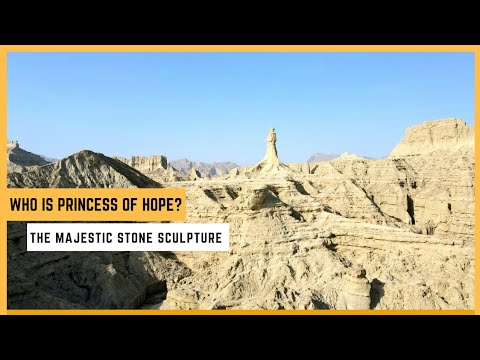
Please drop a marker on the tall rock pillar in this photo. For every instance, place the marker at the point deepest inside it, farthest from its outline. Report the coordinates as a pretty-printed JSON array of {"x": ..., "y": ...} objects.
[{"x": 271, "y": 156}]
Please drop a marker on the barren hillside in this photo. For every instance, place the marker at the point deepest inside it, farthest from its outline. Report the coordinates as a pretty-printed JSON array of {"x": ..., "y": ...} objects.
[{"x": 352, "y": 233}]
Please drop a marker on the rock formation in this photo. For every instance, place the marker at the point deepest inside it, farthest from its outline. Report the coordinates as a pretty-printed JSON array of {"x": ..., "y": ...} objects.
[
  {"x": 205, "y": 170},
  {"x": 87, "y": 280},
  {"x": 84, "y": 169},
  {"x": 270, "y": 166},
  {"x": 155, "y": 167},
  {"x": 12, "y": 145},
  {"x": 19, "y": 160},
  {"x": 170, "y": 175},
  {"x": 271, "y": 156},
  {"x": 353, "y": 233},
  {"x": 194, "y": 175},
  {"x": 444, "y": 136},
  {"x": 146, "y": 164}
]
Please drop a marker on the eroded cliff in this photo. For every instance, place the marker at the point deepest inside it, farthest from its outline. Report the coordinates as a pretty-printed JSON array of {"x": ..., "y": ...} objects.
[{"x": 353, "y": 233}]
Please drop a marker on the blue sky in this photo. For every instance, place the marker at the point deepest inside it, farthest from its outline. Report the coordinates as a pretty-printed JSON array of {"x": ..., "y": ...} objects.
[{"x": 219, "y": 106}]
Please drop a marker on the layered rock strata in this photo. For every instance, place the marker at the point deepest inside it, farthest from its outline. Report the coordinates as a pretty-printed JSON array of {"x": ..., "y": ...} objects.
[{"x": 353, "y": 233}]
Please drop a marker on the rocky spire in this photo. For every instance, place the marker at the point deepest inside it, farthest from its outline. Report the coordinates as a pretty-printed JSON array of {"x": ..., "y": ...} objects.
[
  {"x": 271, "y": 156},
  {"x": 270, "y": 164},
  {"x": 194, "y": 174}
]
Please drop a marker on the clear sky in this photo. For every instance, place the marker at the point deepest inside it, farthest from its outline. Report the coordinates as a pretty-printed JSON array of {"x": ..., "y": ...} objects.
[{"x": 219, "y": 106}]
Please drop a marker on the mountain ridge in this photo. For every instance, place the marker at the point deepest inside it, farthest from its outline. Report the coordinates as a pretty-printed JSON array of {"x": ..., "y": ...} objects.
[{"x": 83, "y": 169}]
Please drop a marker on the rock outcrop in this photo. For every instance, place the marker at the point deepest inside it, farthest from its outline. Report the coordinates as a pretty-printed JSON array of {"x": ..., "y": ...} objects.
[
  {"x": 86, "y": 280},
  {"x": 441, "y": 136},
  {"x": 19, "y": 160},
  {"x": 291, "y": 249},
  {"x": 155, "y": 167},
  {"x": 194, "y": 175},
  {"x": 146, "y": 164}
]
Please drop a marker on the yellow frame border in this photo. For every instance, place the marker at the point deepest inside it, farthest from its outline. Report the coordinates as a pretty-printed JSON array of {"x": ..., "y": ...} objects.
[{"x": 4, "y": 49}]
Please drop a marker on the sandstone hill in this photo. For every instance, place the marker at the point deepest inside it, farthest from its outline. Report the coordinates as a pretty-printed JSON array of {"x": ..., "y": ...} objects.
[
  {"x": 84, "y": 169},
  {"x": 20, "y": 160},
  {"x": 155, "y": 167},
  {"x": 146, "y": 164},
  {"x": 441, "y": 136},
  {"x": 353, "y": 233}
]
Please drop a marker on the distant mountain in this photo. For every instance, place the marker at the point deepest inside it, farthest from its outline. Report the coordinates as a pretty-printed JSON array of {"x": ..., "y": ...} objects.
[
  {"x": 214, "y": 169},
  {"x": 48, "y": 159},
  {"x": 319, "y": 157}
]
